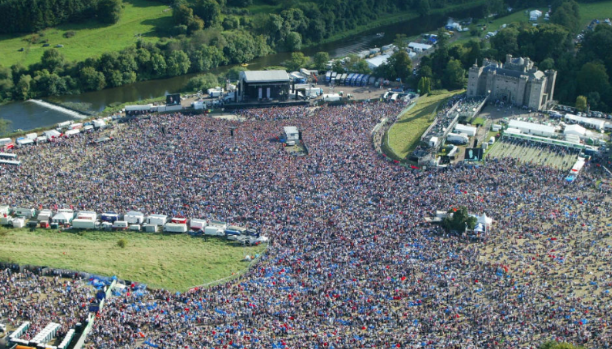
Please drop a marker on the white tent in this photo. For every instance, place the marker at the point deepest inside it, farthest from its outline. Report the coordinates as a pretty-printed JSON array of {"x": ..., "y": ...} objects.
[
  {"x": 63, "y": 217},
  {"x": 532, "y": 129},
  {"x": 591, "y": 123},
  {"x": 484, "y": 219},
  {"x": 575, "y": 130},
  {"x": 468, "y": 130}
]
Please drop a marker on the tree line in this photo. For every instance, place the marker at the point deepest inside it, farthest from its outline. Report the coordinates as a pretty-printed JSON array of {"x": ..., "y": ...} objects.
[
  {"x": 28, "y": 16},
  {"x": 583, "y": 68},
  {"x": 54, "y": 76}
]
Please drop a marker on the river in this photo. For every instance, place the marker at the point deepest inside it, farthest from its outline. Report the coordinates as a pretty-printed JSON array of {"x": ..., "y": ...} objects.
[{"x": 28, "y": 115}]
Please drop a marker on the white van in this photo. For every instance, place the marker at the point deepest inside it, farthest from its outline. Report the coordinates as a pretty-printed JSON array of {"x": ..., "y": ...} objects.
[{"x": 492, "y": 141}]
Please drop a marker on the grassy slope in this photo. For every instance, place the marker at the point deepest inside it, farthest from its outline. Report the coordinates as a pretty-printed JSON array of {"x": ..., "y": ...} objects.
[
  {"x": 404, "y": 135},
  {"x": 174, "y": 262},
  {"x": 92, "y": 38},
  {"x": 588, "y": 12}
]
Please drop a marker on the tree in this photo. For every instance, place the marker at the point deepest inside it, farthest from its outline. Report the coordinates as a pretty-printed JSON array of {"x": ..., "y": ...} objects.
[
  {"x": 425, "y": 71},
  {"x": 458, "y": 220},
  {"x": 401, "y": 65},
  {"x": 401, "y": 42},
  {"x": 424, "y": 86},
  {"x": 581, "y": 103},
  {"x": 297, "y": 61},
  {"x": 547, "y": 64},
  {"x": 567, "y": 15},
  {"x": 109, "y": 11},
  {"x": 423, "y": 7},
  {"x": 92, "y": 80},
  {"x": 4, "y": 126},
  {"x": 178, "y": 63},
  {"x": 22, "y": 89},
  {"x": 454, "y": 75},
  {"x": 52, "y": 60},
  {"x": 593, "y": 77},
  {"x": 320, "y": 60},
  {"x": 202, "y": 82},
  {"x": 293, "y": 42},
  {"x": 506, "y": 41},
  {"x": 337, "y": 67}
]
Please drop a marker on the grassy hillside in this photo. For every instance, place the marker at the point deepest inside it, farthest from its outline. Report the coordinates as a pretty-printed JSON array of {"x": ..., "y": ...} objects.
[
  {"x": 588, "y": 12},
  {"x": 405, "y": 134},
  {"x": 139, "y": 18},
  {"x": 174, "y": 262}
]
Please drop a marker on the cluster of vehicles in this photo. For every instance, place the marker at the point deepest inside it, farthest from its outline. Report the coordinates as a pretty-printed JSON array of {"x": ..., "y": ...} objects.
[
  {"x": 354, "y": 79},
  {"x": 64, "y": 129},
  {"x": 133, "y": 220},
  {"x": 589, "y": 114}
]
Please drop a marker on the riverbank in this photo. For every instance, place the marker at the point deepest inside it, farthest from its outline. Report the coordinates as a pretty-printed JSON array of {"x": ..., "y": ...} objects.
[{"x": 399, "y": 17}]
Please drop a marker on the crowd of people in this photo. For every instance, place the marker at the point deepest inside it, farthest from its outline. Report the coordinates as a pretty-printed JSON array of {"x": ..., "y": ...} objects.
[{"x": 352, "y": 261}]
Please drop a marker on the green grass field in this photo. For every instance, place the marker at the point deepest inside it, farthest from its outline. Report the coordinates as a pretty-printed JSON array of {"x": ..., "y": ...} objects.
[
  {"x": 173, "y": 262},
  {"x": 139, "y": 18},
  {"x": 598, "y": 10},
  {"x": 588, "y": 12},
  {"x": 404, "y": 135}
]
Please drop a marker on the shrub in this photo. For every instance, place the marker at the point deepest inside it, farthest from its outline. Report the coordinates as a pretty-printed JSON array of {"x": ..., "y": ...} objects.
[
  {"x": 122, "y": 243},
  {"x": 69, "y": 34}
]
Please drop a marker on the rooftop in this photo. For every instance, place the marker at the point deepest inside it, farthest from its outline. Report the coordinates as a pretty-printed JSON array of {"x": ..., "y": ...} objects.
[{"x": 265, "y": 76}]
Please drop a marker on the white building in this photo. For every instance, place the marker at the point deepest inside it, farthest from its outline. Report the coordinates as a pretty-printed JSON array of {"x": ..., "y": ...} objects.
[
  {"x": 535, "y": 15},
  {"x": 468, "y": 130},
  {"x": 532, "y": 129},
  {"x": 591, "y": 123},
  {"x": 377, "y": 61},
  {"x": 575, "y": 130},
  {"x": 418, "y": 47}
]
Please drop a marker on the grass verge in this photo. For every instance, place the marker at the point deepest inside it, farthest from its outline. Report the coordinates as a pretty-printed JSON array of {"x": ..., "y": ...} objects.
[
  {"x": 174, "y": 262},
  {"x": 139, "y": 19},
  {"x": 405, "y": 134}
]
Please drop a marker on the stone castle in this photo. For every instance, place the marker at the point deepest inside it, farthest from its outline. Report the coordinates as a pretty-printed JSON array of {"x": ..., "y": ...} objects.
[{"x": 517, "y": 82}]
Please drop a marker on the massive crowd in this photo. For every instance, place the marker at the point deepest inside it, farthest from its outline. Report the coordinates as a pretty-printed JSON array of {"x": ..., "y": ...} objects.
[{"x": 352, "y": 263}]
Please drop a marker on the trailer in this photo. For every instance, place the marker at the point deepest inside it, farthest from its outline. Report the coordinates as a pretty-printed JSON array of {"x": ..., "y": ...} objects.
[
  {"x": 109, "y": 217},
  {"x": 214, "y": 231},
  {"x": 348, "y": 79},
  {"x": 71, "y": 133},
  {"x": 22, "y": 142},
  {"x": 26, "y": 212},
  {"x": 134, "y": 217},
  {"x": 175, "y": 228},
  {"x": 157, "y": 219},
  {"x": 84, "y": 224},
  {"x": 134, "y": 227},
  {"x": 179, "y": 220},
  {"x": 44, "y": 216},
  {"x": 18, "y": 222},
  {"x": 120, "y": 225},
  {"x": 149, "y": 228},
  {"x": 197, "y": 224}
]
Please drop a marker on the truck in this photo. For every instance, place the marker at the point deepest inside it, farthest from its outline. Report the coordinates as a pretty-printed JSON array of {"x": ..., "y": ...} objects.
[
  {"x": 120, "y": 225},
  {"x": 233, "y": 232},
  {"x": 197, "y": 224},
  {"x": 331, "y": 97},
  {"x": 175, "y": 228},
  {"x": 84, "y": 224},
  {"x": 215, "y": 92},
  {"x": 454, "y": 138},
  {"x": 110, "y": 217},
  {"x": 214, "y": 231},
  {"x": 291, "y": 135}
]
